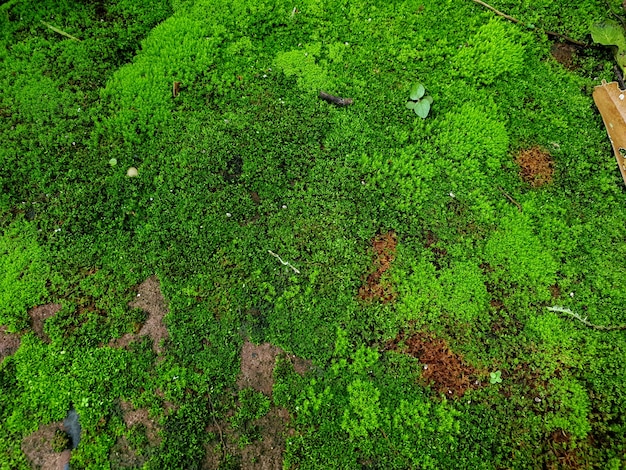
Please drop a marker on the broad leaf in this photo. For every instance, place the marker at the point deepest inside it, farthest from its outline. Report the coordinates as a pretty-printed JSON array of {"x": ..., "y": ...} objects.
[
  {"x": 411, "y": 104},
  {"x": 608, "y": 33},
  {"x": 422, "y": 108},
  {"x": 417, "y": 91},
  {"x": 428, "y": 98}
]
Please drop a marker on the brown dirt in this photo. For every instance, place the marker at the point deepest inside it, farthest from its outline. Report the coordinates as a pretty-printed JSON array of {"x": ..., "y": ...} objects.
[
  {"x": 122, "y": 455},
  {"x": 375, "y": 287},
  {"x": 133, "y": 417},
  {"x": 565, "y": 54},
  {"x": 442, "y": 368},
  {"x": 149, "y": 299},
  {"x": 263, "y": 454},
  {"x": 38, "y": 448},
  {"x": 38, "y": 317},
  {"x": 536, "y": 166},
  {"x": 257, "y": 366},
  {"x": 257, "y": 372},
  {"x": 9, "y": 343}
]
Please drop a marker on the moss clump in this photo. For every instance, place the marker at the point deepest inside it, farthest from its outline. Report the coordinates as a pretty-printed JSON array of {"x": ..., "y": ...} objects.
[{"x": 61, "y": 441}]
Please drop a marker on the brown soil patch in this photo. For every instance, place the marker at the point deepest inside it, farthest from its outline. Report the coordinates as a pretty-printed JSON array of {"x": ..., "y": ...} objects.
[
  {"x": 266, "y": 453},
  {"x": 133, "y": 417},
  {"x": 375, "y": 287},
  {"x": 122, "y": 455},
  {"x": 38, "y": 317},
  {"x": 38, "y": 448},
  {"x": 149, "y": 299},
  {"x": 257, "y": 366},
  {"x": 262, "y": 454},
  {"x": 9, "y": 343},
  {"x": 536, "y": 166},
  {"x": 565, "y": 54},
  {"x": 442, "y": 368}
]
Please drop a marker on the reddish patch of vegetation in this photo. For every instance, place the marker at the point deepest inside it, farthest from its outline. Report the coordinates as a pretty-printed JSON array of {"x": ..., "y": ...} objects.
[
  {"x": 442, "y": 368},
  {"x": 562, "y": 454},
  {"x": 536, "y": 166},
  {"x": 375, "y": 287}
]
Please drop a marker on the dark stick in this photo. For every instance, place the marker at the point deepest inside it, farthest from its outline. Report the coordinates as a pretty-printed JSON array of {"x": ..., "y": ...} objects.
[
  {"x": 515, "y": 20},
  {"x": 519, "y": 206},
  {"x": 620, "y": 77},
  {"x": 336, "y": 100}
]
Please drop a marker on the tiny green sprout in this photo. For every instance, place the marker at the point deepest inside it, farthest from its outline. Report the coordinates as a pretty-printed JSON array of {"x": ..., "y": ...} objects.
[
  {"x": 495, "y": 377},
  {"x": 419, "y": 103},
  {"x": 113, "y": 162}
]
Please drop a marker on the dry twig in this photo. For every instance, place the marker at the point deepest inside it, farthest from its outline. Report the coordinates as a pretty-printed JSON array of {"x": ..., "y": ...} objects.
[
  {"x": 519, "y": 206},
  {"x": 515, "y": 20},
  {"x": 60, "y": 31},
  {"x": 284, "y": 262},
  {"x": 566, "y": 310}
]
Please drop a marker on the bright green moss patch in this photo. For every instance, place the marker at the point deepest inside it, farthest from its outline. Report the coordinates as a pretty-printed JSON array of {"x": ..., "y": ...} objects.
[
  {"x": 23, "y": 275},
  {"x": 255, "y": 205}
]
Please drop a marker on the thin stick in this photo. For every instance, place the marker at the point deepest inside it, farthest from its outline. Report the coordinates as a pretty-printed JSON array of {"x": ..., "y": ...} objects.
[
  {"x": 556, "y": 308},
  {"x": 510, "y": 198},
  {"x": 515, "y": 20},
  {"x": 284, "y": 262},
  {"x": 218, "y": 427},
  {"x": 60, "y": 31}
]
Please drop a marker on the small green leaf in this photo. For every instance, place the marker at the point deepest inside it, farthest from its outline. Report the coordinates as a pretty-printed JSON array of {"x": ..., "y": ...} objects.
[
  {"x": 495, "y": 377},
  {"x": 417, "y": 91},
  {"x": 422, "y": 108},
  {"x": 411, "y": 104},
  {"x": 428, "y": 98}
]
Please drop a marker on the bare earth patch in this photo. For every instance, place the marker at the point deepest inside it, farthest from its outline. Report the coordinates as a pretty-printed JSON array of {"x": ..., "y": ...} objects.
[
  {"x": 266, "y": 453},
  {"x": 565, "y": 54},
  {"x": 38, "y": 448},
  {"x": 38, "y": 317},
  {"x": 257, "y": 366},
  {"x": 122, "y": 455},
  {"x": 149, "y": 299},
  {"x": 536, "y": 166},
  {"x": 133, "y": 417},
  {"x": 9, "y": 343},
  {"x": 375, "y": 287}
]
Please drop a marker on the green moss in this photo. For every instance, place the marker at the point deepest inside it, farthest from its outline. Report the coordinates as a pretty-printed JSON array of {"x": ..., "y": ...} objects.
[
  {"x": 23, "y": 274},
  {"x": 246, "y": 160}
]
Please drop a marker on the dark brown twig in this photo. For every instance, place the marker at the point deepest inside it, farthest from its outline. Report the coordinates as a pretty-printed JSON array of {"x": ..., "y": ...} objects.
[
  {"x": 336, "y": 100},
  {"x": 515, "y": 20},
  {"x": 519, "y": 206},
  {"x": 219, "y": 429}
]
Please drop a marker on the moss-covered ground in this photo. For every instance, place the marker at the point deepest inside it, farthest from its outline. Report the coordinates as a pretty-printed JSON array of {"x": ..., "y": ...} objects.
[{"x": 247, "y": 159}]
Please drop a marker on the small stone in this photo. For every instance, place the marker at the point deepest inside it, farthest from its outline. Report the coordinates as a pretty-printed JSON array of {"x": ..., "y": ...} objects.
[
  {"x": 537, "y": 400},
  {"x": 132, "y": 172}
]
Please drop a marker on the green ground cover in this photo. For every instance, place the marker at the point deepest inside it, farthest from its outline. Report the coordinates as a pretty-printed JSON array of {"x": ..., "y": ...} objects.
[{"x": 248, "y": 159}]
